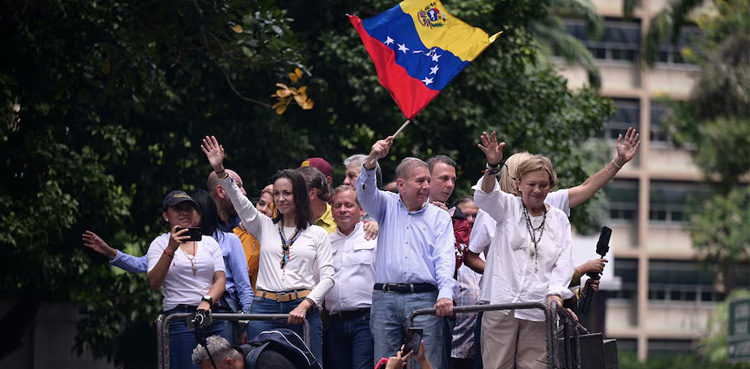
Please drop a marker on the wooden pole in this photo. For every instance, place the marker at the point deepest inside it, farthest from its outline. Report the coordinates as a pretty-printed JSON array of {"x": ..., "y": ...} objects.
[{"x": 401, "y": 129}]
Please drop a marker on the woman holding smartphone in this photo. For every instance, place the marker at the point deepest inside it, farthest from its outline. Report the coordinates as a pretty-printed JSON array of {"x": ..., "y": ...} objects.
[
  {"x": 190, "y": 274},
  {"x": 296, "y": 267}
]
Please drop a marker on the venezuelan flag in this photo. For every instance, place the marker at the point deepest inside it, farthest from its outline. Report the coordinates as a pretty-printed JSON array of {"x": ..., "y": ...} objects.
[{"x": 418, "y": 48}]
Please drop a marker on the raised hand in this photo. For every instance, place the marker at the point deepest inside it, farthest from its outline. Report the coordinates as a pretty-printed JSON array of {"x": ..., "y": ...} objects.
[
  {"x": 94, "y": 242},
  {"x": 379, "y": 150},
  {"x": 491, "y": 149},
  {"x": 627, "y": 147},
  {"x": 214, "y": 152}
]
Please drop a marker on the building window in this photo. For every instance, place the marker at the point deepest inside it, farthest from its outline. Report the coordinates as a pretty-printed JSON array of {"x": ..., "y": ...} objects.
[
  {"x": 620, "y": 42},
  {"x": 668, "y": 201},
  {"x": 670, "y": 54},
  {"x": 623, "y": 200},
  {"x": 659, "y": 135},
  {"x": 627, "y": 115},
  {"x": 680, "y": 281},
  {"x": 627, "y": 271}
]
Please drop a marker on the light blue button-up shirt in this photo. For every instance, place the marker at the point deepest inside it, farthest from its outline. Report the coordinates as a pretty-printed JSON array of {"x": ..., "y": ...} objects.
[{"x": 413, "y": 247}]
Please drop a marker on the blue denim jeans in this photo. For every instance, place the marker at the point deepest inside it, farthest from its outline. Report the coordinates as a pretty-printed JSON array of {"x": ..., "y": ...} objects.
[
  {"x": 232, "y": 333},
  {"x": 390, "y": 316},
  {"x": 266, "y": 306},
  {"x": 182, "y": 341},
  {"x": 348, "y": 343},
  {"x": 477, "y": 337}
]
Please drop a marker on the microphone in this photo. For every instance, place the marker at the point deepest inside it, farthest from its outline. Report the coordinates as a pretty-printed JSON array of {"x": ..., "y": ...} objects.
[{"x": 602, "y": 248}]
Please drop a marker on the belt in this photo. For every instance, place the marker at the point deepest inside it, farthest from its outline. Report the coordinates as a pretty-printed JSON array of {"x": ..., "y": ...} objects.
[
  {"x": 404, "y": 287},
  {"x": 282, "y": 296},
  {"x": 352, "y": 314},
  {"x": 185, "y": 307}
]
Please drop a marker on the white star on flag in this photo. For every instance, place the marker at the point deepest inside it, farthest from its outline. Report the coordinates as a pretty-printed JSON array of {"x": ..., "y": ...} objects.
[
  {"x": 388, "y": 40},
  {"x": 434, "y": 70},
  {"x": 427, "y": 81},
  {"x": 402, "y": 47},
  {"x": 417, "y": 51},
  {"x": 435, "y": 57}
]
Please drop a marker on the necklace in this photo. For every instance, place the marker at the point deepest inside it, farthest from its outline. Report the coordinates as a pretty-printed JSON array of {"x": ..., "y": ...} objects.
[
  {"x": 532, "y": 233},
  {"x": 286, "y": 245},
  {"x": 191, "y": 257}
]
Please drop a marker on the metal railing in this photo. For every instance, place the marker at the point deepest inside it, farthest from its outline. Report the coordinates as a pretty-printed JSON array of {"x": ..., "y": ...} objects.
[
  {"x": 162, "y": 329},
  {"x": 571, "y": 354}
]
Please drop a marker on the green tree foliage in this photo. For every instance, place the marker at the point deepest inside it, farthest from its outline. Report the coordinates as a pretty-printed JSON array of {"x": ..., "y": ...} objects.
[{"x": 103, "y": 106}]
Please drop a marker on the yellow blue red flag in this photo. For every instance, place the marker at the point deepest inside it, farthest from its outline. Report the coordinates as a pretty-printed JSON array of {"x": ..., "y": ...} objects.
[{"x": 418, "y": 48}]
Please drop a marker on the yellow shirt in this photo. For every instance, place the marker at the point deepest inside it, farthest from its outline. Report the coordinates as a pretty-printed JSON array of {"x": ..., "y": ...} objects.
[
  {"x": 326, "y": 220},
  {"x": 251, "y": 245}
]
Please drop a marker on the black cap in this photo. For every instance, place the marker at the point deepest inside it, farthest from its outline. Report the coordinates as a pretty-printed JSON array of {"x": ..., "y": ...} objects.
[{"x": 176, "y": 197}]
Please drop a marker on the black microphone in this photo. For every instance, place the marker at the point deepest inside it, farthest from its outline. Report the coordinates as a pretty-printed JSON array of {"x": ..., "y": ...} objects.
[{"x": 602, "y": 248}]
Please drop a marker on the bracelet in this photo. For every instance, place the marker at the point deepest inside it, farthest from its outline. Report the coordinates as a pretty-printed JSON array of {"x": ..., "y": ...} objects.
[
  {"x": 312, "y": 303},
  {"x": 492, "y": 169},
  {"x": 615, "y": 165},
  {"x": 169, "y": 253},
  {"x": 607, "y": 170},
  {"x": 225, "y": 176}
]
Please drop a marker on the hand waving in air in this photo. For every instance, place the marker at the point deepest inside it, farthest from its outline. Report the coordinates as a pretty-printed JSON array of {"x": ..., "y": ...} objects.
[
  {"x": 214, "y": 152},
  {"x": 492, "y": 149},
  {"x": 627, "y": 147}
]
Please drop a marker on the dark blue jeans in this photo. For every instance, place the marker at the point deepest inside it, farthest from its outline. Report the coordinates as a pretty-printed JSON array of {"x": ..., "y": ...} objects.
[
  {"x": 265, "y": 306},
  {"x": 389, "y": 318},
  {"x": 477, "y": 336},
  {"x": 348, "y": 343},
  {"x": 182, "y": 340}
]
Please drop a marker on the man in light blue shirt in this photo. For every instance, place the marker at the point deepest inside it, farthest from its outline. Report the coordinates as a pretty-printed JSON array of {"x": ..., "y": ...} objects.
[{"x": 415, "y": 257}]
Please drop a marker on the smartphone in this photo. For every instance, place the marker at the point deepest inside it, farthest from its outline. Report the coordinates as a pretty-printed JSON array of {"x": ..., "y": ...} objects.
[
  {"x": 194, "y": 233},
  {"x": 412, "y": 340}
]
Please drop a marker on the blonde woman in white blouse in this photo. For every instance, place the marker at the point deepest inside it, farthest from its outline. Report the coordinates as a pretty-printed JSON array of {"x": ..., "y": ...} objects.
[
  {"x": 530, "y": 259},
  {"x": 296, "y": 268}
]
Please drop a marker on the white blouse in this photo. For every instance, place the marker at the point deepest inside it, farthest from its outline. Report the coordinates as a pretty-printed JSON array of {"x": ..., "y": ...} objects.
[
  {"x": 309, "y": 267},
  {"x": 180, "y": 285},
  {"x": 516, "y": 271}
]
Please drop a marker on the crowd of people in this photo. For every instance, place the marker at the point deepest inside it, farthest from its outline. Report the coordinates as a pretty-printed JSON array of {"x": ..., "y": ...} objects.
[{"x": 355, "y": 260}]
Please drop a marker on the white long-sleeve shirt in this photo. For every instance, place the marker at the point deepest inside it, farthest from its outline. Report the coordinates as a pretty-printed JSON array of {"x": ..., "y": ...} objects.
[
  {"x": 484, "y": 231},
  {"x": 309, "y": 267},
  {"x": 513, "y": 273},
  {"x": 354, "y": 261}
]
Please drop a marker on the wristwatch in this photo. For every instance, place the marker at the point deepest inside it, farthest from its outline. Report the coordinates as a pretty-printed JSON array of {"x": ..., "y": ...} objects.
[{"x": 208, "y": 299}]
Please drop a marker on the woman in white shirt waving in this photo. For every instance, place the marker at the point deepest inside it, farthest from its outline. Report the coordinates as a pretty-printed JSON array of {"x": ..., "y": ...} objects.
[
  {"x": 530, "y": 259},
  {"x": 296, "y": 269}
]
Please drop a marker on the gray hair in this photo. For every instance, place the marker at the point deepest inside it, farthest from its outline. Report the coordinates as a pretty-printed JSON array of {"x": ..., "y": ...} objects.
[
  {"x": 358, "y": 160},
  {"x": 220, "y": 351},
  {"x": 405, "y": 167}
]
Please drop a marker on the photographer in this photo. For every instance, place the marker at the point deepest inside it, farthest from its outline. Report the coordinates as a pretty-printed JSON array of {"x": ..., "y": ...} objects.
[{"x": 190, "y": 274}]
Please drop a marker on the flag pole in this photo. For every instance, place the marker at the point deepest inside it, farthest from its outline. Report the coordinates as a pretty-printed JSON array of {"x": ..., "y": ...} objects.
[{"x": 402, "y": 128}]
